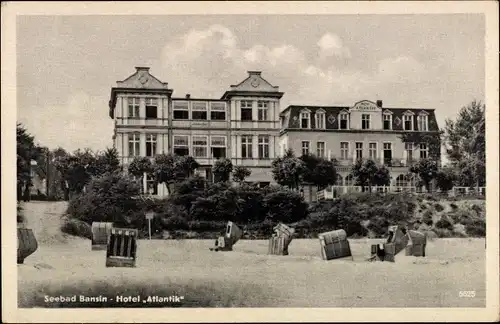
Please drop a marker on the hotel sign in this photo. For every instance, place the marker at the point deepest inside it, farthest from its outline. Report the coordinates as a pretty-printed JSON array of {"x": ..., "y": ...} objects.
[{"x": 366, "y": 106}]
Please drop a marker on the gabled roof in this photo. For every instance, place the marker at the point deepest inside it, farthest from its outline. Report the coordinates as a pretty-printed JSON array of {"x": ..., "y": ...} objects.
[
  {"x": 141, "y": 80},
  {"x": 253, "y": 85},
  {"x": 332, "y": 112}
]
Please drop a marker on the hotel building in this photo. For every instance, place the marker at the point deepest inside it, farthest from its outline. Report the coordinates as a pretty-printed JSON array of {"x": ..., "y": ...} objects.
[
  {"x": 246, "y": 125},
  {"x": 242, "y": 125}
]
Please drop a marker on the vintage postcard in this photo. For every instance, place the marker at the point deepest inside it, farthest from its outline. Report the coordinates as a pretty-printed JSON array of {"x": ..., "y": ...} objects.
[{"x": 336, "y": 160}]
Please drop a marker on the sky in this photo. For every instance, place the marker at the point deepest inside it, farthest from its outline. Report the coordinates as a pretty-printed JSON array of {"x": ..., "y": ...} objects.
[{"x": 66, "y": 65}]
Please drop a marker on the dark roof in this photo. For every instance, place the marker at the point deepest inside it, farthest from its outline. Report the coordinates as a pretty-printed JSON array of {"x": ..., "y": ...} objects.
[{"x": 293, "y": 116}]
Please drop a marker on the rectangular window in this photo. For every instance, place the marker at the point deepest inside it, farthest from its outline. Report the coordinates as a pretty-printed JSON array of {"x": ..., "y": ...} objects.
[
  {"x": 305, "y": 147},
  {"x": 218, "y": 111},
  {"x": 246, "y": 110},
  {"x": 263, "y": 147},
  {"x": 320, "y": 121},
  {"x": 181, "y": 110},
  {"x": 372, "y": 147},
  {"x": 423, "y": 151},
  {"x": 422, "y": 123},
  {"x": 218, "y": 146},
  {"x": 344, "y": 150},
  {"x": 359, "y": 150},
  {"x": 320, "y": 149},
  {"x": 151, "y": 108},
  {"x": 181, "y": 145},
  {"x": 246, "y": 147},
  {"x": 408, "y": 125},
  {"x": 344, "y": 119},
  {"x": 134, "y": 145},
  {"x": 305, "y": 120},
  {"x": 199, "y": 110},
  {"x": 133, "y": 107},
  {"x": 409, "y": 152},
  {"x": 200, "y": 146},
  {"x": 150, "y": 145},
  {"x": 263, "y": 107},
  {"x": 387, "y": 121},
  {"x": 365, "y": 121},
  {"x": 388, "y": 154}
]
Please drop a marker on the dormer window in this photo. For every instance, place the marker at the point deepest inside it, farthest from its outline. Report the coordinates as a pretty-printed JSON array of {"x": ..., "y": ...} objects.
[
  {"x": 387, "y": 119},
  {"x": 423, "y": 121},
  {"x": 305, "y": 119},
  {"x": 344, "y": 120},
  {"x": 408, "y": 121},
  {"x": 320, "y": 119}
]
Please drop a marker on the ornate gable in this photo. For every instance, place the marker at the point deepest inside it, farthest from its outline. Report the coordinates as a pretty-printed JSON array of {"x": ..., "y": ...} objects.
[
  {"x": 254, "y": 82},
  {"x": 142, "y": 79},
  {"x": 365, "y": 105}
]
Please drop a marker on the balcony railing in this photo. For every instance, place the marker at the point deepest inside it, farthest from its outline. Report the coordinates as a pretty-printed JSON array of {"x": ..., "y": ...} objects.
[{"x": 336, "y": 191}]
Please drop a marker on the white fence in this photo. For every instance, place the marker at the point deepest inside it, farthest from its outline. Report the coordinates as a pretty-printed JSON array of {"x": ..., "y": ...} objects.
[{"x": 335, "y": 191}]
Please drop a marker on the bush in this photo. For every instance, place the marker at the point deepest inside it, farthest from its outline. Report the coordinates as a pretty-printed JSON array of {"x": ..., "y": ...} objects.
[
  {"x": 109, "y": 198},
  {"x": 443, "y": 233},
  {"x": 206, "y": 226},
  {"x": 438, "y": 207},
  {"x": 476, "y": 228},
  {"x": 175, "y": 223},
  {"x": 379, "y": 226},
  {"x": 453, "y": 206},
  {"x": 285, "y": 206},
  {"x": 478, "y": 209},
  {"x": 76, "y": 227},
  {"x": 444, "y": 223},
  {"x": 427, "y": 218}
]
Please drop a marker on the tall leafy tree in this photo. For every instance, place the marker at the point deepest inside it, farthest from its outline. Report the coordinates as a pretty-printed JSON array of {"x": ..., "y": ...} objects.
[
  {"x": 318, "y": 171},
  {"x": 240, "y": 173},
  {"x": 368, "y": 173},
  {"x": 288, "y": 170},
  {"x": 465, "y": 144},
  {"x": 27, "y": 151},
  {"x": 76, "y": 170},
  {"x": 427, "y": 170},
  {"x": 445, "y": 178},
  {"x": 139, "y": 167},
  {"x": 222, "y": 169},
  {"x": 107, "y": 161}
]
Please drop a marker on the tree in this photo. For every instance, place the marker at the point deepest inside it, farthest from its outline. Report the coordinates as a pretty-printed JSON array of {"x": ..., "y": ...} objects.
[
  {"x": 465, "y": 144},
  {"x": 107, "y": 161},
  {"x": 109, "y": 198},
  {"x": 27, "y": 150},
  {"x": 382, "y": 177},
  {"x": 222, "y": 170},
  {"x": 185, "y": 166},
  {"x": 318, "y": 171},
  {"x": 288, "y": 170},
  {"x": 427, "y": 170},
  {"x": 445, "y": 179},
  {"x": 139, "y": 167},
  {"x": 368, "y": 173},
  {"x": 240, "y": 173},
  {"x": 76, "y": 170}
]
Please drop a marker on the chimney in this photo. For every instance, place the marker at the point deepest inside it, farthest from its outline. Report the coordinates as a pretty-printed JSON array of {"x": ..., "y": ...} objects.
[
  {"x": 379, "y": 103},
  {"x": 254, "y": 72},
  {"x": 188, "y": 96},
  {"x": 142, "y": 68}
]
